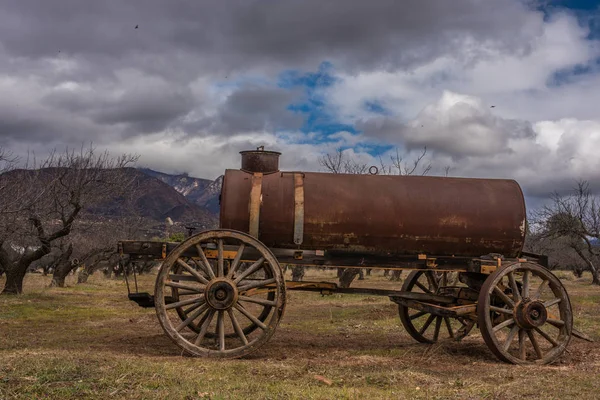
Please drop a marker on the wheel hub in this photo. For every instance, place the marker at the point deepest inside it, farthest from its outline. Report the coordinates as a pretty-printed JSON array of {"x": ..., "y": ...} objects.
[
  {"x": 221, "y": 294},
  {"x": 530, "y": 314}
]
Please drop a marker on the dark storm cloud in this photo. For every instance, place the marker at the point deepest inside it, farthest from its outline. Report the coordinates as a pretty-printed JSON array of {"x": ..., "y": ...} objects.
[
  {"x": 88, "y": 45},
  {"x": 229, "y": 35},
  {"x": 255, "y": 108}
]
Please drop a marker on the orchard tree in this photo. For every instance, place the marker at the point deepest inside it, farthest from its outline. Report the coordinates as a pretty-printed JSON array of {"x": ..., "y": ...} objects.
[
  {"x": 574, "y": 219},
  {"x": 51, "y": 197}
]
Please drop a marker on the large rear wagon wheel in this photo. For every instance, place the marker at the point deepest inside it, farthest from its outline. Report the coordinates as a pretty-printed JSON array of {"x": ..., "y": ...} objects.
[
  {"x": 524, "y": 314},
  {"x": 232, "y": 305}
]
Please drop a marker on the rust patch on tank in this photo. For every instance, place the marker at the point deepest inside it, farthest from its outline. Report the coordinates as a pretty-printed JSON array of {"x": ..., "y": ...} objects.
[{"x": 454, "y": 221}]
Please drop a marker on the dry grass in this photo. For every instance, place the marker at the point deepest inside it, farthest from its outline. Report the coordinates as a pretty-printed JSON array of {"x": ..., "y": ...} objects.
[{"x": 89, "y": 341}]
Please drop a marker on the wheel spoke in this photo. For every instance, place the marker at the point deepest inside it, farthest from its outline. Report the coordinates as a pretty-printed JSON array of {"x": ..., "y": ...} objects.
[
  {"x": 192, "y": 317},
  {"x": 504, "y": 324},
  {"x": 522, "y": 349},
  {"x": 438, "y": 325},
  {"x": 535, "y": 344},
  {"x": 192, "y": 271},
  {"x": 540, "y": 289},
  {"x": 208, "y": 268},
  {"x": 556, "y": 322},
  {"x": 236, "y": 261},
  {"x": 514, "y": 287},
  {"x": 184, "y": 303},
  {"x": 422, "y": 287},
  {"x": 503, "y": 296},
  {"x": 501, "y": 310},
  {"x": 191, "y": 288},
  {"x": 552, "y": 302},
  {"x": 510, "y": 337},
  {"x": 253, "y": 268},
  {"x": 426, "y": 324},
  {"x": 192, "y": 308},
  {"x": 204, "y": 328},
  {"x": 220, "y": 258},
  {"x": 236, "y": 326},
  {"x": 546, "y": 336},
  {"x": 418, "y": 315},
  {"x": 526, "y": 284},
  {"x": 221, "y": 330},
  {"x": 432, "y": 281},
  {"x": 262, "y": 302},
  {"x": 251, "y": 317},
  {"x": 449, "y": 327},
  {"x": 256, "y": 284}
]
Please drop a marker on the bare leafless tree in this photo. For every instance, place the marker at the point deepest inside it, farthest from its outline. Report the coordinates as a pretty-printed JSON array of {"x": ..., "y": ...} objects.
[
  {"x": 399, "y": 165},
  {"x": 54, "y": 195},
  {"x": 575, "y": 220},
  {"x": 341, "y": 162},
  {"x": 96, "y": 247}
]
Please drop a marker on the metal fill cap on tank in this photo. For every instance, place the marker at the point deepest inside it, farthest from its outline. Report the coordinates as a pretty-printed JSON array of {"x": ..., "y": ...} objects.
[{"x": 260, "y": 160}]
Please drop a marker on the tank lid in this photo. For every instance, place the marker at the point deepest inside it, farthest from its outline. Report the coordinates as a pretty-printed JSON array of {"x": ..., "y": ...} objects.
[{"x": 260, "y": 160}]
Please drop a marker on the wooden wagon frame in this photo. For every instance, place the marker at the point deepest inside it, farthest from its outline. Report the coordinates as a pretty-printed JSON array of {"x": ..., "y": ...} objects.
[{"x": 221, "y": 293}]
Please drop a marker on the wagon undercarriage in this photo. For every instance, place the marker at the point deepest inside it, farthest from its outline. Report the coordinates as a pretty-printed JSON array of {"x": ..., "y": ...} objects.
[{"x": 221, "y": 293}]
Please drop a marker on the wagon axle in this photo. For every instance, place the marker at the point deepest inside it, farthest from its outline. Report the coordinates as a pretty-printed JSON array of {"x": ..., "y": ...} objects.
[{"x": 530, "y": 314}]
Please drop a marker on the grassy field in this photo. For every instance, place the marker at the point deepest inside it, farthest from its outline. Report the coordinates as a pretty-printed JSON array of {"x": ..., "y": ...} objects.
[{"x": 89, "y": 341}]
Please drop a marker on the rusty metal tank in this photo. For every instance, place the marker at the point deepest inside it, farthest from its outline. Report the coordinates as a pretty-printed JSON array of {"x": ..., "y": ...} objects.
[{"x": 379, "y": 214}]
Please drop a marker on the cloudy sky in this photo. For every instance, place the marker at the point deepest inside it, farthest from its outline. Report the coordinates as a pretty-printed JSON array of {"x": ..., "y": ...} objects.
[{"x": 503, "y": 88}]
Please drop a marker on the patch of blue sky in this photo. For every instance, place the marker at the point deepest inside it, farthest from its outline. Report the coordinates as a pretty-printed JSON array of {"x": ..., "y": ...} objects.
[
  {"x": 321, "y": 124},
  {"x": 324, "y": 77},
  {"x": 374, "y": 149},
  {"x": 586, "y": 11},
  {"x": 569, "y": 75},
  {"x": 588, "y": 14},
  {"x": 376, "y": 107}
]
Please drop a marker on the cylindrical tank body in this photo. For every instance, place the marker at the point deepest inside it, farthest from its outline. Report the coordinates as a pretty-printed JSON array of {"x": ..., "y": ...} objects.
[{"x": 381, "y": 214}]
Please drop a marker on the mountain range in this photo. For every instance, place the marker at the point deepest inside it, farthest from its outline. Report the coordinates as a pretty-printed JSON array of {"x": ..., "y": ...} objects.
[{"x": 199, "y": 191}]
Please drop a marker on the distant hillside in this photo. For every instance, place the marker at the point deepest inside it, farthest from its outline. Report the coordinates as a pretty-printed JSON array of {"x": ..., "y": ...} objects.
[
  {"x": 202, "y": 192},
  {"x": 147, "y": 197},
  {"x": 157, "y": 200}
]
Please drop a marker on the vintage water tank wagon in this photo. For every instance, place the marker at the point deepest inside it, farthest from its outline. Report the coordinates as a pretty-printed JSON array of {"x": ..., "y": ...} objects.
[{"x": 221, "y": 293}]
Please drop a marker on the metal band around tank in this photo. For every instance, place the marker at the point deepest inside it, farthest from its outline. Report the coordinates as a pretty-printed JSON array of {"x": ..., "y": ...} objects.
[
  {"x": 254, "y": 205},
  {"x": 298, "y": 208}
]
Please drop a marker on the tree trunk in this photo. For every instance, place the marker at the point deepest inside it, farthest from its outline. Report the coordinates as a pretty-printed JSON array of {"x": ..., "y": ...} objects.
[
  {"x": 62, "y": 269},
  {"x": 347, "y": 276},
  {"x": 595, "y": 277},
  {"x": 593, "y": 269},
  {"x": 14, "y": 280},
  {"x": 58, "y": 280},
  {"x": 83, "y": 276}
]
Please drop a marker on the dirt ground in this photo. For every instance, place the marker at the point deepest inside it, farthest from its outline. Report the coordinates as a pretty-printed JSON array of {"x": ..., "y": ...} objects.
[{"x": 89, "y": 341}]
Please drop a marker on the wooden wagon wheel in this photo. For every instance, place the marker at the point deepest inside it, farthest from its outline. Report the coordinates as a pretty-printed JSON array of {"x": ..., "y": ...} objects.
[
  {"x": 220, "y": 298},
  {"x": 421, "y": 325},
  {"x": 524, "y": 314},
  {"x": 185, "y": 311}
]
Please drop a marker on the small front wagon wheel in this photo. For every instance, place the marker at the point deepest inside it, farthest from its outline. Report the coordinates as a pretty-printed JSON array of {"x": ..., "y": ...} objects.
[
  {"x": 422, "y": 325},
  {"x": 524, "y": 314},
  {"x": 232, "y": 289}
]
